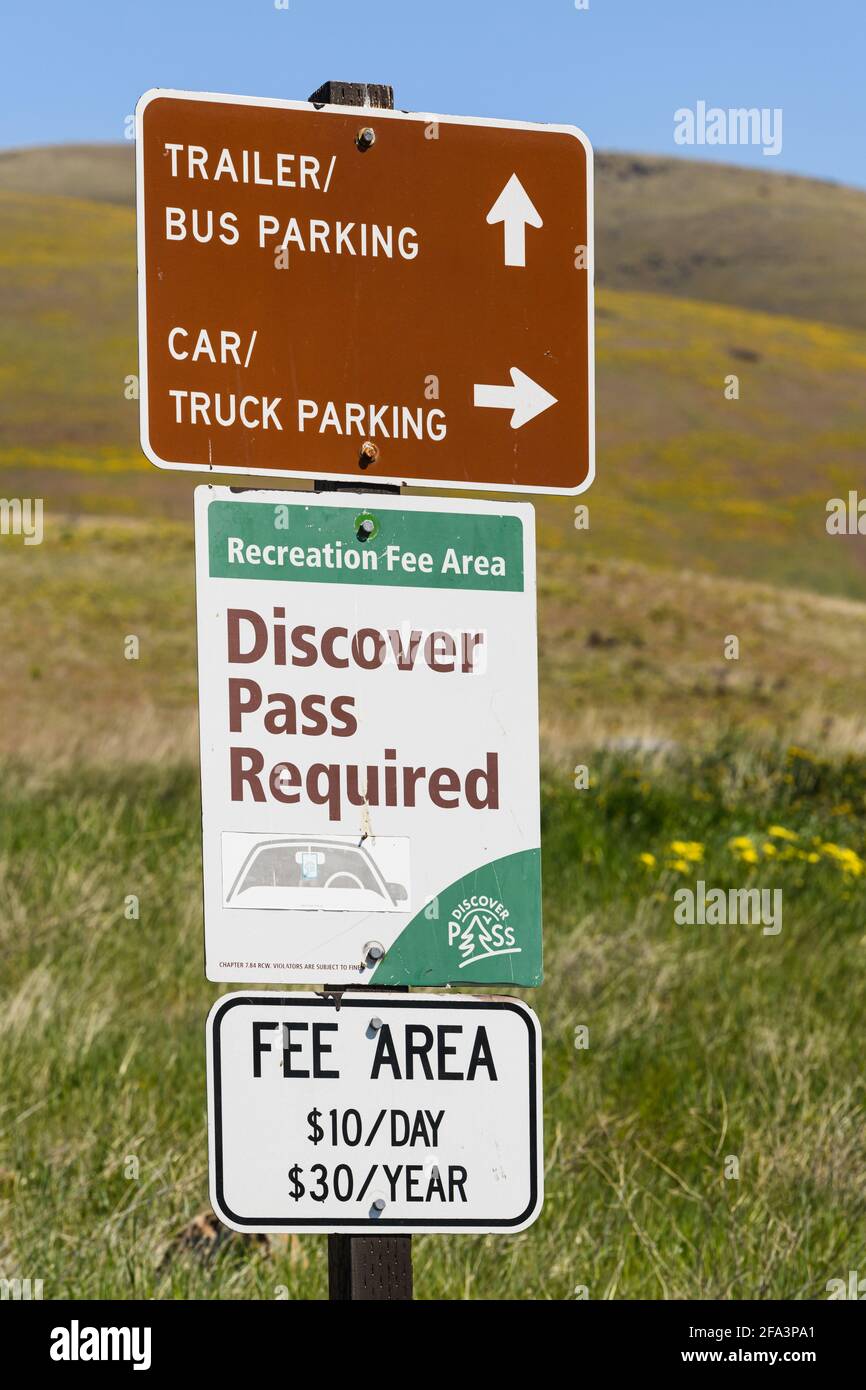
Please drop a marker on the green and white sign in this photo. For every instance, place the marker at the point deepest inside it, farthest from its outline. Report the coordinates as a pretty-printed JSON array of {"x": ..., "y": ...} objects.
[{"x": 368, "y": 699}]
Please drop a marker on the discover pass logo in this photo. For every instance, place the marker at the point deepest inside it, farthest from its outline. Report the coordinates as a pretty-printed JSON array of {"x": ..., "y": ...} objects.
[{"x": 478, "y": 928}]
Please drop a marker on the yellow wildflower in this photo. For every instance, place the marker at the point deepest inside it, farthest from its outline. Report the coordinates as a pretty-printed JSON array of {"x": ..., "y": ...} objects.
[
  {"x": 692, "y": 850},
  {"x": 741, "y": 843},
  {"x": 648, "y": 859},
  {"x": 768, "y": 848},
  {"x": 848, "y": 860},
  {"x": 832, "y": 851},
  {"x": 681, "y": 865},
  {"x": 780, "y": 833}
]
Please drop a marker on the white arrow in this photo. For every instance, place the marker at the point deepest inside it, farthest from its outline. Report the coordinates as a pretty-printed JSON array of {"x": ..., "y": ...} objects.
[
  {"x": 525, "y": 399},
  {"x": 515, "y": 208}
]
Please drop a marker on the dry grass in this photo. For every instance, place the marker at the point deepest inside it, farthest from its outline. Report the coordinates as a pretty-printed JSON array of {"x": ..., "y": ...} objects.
[{"x": 631, "y": 656}]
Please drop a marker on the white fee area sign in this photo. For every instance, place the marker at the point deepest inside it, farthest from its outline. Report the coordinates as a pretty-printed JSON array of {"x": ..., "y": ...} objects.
[{"x": 374, "y": 1112}]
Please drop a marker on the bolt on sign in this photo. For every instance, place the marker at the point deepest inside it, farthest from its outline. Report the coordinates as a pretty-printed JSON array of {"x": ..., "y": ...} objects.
[
  {"x": 374, "y": 1112},
  {"x": 368, "y": 700},
  {"x": 333, "y": 292}
]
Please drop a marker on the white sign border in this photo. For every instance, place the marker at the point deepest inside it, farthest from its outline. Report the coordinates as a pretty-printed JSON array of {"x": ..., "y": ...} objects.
[
  {"x": 204, "y": 495},
  {"x": 426, "y": 118},
  {"x": 363, "y": 998}
]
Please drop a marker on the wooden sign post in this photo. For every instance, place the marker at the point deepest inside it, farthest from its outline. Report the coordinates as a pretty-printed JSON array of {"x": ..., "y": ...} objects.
[{"x": 365, "y": 1268}]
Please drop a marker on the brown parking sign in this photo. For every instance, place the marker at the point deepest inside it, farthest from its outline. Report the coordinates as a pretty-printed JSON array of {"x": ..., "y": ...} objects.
[{"x": 348, "y": 293}]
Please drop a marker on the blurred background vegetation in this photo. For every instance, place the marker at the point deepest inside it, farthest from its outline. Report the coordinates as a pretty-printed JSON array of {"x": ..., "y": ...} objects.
[{"x": 707, "y": 519}]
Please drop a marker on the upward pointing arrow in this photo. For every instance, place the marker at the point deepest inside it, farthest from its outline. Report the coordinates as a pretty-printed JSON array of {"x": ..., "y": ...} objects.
[{"x": 515, "y": 209}]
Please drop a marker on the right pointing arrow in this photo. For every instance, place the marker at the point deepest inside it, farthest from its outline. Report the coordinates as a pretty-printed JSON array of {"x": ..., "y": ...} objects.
[
  {"x": 525, "y": 398},
  {"x": 515, "y": 208}
]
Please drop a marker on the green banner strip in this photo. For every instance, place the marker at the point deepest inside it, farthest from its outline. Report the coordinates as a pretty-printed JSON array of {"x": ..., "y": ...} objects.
[
  {"x": 483, "y": 929},
  {"x": 320, "y": 545}
]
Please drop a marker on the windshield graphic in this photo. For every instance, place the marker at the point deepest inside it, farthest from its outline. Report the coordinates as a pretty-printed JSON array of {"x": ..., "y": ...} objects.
[{"x": 321, "y": 873}]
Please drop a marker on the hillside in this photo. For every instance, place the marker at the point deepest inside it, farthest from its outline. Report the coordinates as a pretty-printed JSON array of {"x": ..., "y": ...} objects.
[
  {"x": 103, "y": 173},
  {"x": 748, "y": 237},
  {"x": 630, "y": 654},
  {"x": 685, "y": 476}
]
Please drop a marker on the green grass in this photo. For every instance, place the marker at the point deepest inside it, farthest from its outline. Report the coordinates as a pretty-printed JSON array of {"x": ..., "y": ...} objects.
[{"x": 705, "y": 1042}]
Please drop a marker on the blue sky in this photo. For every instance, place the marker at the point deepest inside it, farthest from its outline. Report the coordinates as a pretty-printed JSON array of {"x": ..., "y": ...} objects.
[{"x": 620, "y": 69}]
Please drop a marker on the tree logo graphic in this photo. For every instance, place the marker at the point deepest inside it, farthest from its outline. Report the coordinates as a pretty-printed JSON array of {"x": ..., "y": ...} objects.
[{"x": 478, "y": 929}]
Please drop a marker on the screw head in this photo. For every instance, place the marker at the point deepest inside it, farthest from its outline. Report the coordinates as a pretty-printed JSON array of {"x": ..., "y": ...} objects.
[
  {"x": 379, "y": 1204},
  {"x": 365, "y": 138},
  {"x": 373, "y": 952},
  {"x": 366, "y": 526},
  {"x": 375, "y": 1024}
]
